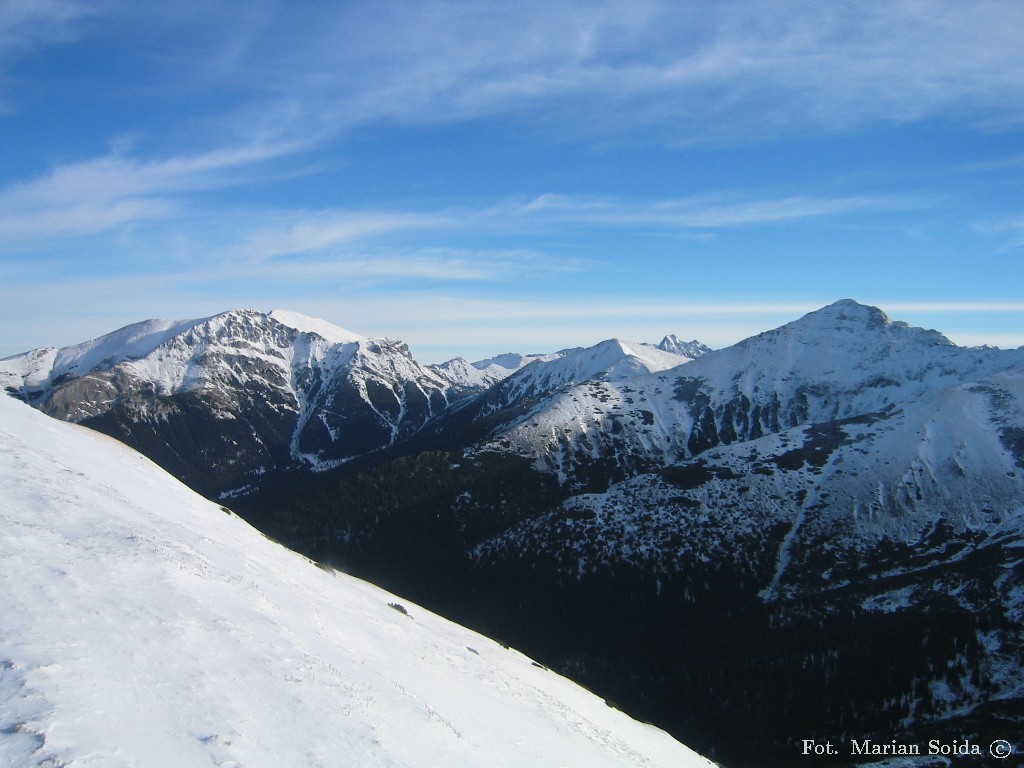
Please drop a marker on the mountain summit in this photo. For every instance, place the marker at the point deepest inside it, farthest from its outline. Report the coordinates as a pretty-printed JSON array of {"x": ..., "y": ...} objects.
[{"x": 692, "y": 349}]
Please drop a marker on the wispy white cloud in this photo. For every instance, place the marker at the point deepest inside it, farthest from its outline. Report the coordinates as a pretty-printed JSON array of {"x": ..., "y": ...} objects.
[
  {"x": 113, "y": 191},
  {"x": 699, "y": 70},
  {"x": 300, "y": 232},
  {"x": 106, "y": 192},
  {"x": 708, "y": 211},
  {"x": 684, "y": 65},
  {"x": 25, "y": 24},
  {"x": 351, "y": 267},
  {"x": 28, "y": 24},
  {"x": 1011, "y": 228},
  {"x": 696, "y": 71},
  {"x": 956, "y": 307}
]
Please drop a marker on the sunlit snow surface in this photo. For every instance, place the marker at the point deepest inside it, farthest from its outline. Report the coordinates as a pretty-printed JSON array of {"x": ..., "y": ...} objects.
[
  {"x": 141, "y": 625},
  {"x": 306, "y": 324}
]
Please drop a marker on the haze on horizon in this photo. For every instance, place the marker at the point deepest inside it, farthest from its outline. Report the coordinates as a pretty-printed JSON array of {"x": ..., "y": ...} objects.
[{"x": 480, "y": 177}]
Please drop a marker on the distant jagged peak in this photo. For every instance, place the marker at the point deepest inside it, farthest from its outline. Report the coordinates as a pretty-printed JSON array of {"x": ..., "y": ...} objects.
[
  {"x": 675, "y": 345},
  {"x": 305, "y": 324},
  {"x": 513, "y": 361},
  {"x": 650, "y": 358},
  {"x": 484, "y": 373}
]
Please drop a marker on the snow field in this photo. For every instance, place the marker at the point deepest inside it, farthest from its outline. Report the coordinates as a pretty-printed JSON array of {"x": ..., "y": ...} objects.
[{"x": 144, "y": 626}]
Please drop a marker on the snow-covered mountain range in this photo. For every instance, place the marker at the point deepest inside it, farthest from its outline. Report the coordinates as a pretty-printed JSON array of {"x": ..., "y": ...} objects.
[
  {"x": 223, "y": 401},
  {"x": 842, "y": 361},
  {"x": 814, "y": 533},
  {"x": 843, "y": 429},
  {"x": 144, "y": 625}
]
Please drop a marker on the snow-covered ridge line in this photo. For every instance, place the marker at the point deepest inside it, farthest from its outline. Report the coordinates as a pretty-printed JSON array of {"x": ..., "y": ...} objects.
[
  {"x": 144, "y": 626},
  {"x": 42, "y": 368},
  {"x": 156, "y": 348},
  {"x": 612, "y": 359},
  {"x": 37, "y": 370},
  {"x": 305, "y": 324},
  {"x": 840, "y": 361}
]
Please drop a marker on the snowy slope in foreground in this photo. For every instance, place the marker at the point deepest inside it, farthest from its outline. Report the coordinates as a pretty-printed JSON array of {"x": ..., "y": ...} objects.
[{"x": 144, "y": 626}]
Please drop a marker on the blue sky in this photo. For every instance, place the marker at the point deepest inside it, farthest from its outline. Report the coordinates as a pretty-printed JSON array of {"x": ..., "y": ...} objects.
[{"x": 477, "y": 177}]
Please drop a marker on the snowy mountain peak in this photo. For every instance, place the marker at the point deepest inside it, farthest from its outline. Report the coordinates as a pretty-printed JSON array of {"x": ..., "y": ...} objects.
[
  {"x": 609, "y": 359},
  {"x": 304, "y": 324},
  {"x": 853, "y": 310},
  {"x": 849, "y": 317},
  {"x": 837, "y": 334}
]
